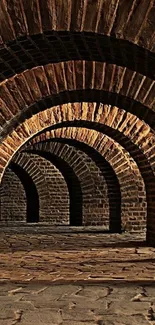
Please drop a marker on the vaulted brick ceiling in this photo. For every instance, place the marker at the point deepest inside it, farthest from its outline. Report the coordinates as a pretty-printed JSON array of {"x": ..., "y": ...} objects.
[
  {"x": 62, "y": 52},
  {"x": 37, "y": 33},
  {"x": 128, "y": 20}
]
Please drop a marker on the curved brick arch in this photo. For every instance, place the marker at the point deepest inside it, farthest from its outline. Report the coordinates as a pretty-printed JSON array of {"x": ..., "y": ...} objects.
[
  {"x": 125, "y": 128},
  {"x": 118, "y": 19},
  {"x": 72, "y": 157},
  {"x": 97, "y": 206},
  {"x": 88, "y": 216},
  {"x": 78, "y": 179},
  {"x": 133, "y": 196},
  {"x": 24, "y": 161},
  {"x": 51, "y": 47},
  {"x": 103, "y": 116},
  {"x": 73, "y": 184},
  {"x": 24, "y": 18},
  {"x": 12, "y": 199},
  {"x": 42, "y": 87},
  {"x": 32, "y": 197}
]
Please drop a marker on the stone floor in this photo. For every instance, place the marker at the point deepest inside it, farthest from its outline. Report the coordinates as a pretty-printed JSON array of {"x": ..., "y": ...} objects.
[
  {"x": 74, "y": 257},
  {"x": 83, "y": 278},
  {"x": 108, "y": 304}
]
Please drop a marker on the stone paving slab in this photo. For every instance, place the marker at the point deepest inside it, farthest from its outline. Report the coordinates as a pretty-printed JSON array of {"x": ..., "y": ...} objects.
[
  {"x": 26, "y": 238},
  {"x": 106, "y": 279},
  {"x": 106, "y": 304},
  {"x": 46, "y": 227},
  {"x": 72, "y": 257}
]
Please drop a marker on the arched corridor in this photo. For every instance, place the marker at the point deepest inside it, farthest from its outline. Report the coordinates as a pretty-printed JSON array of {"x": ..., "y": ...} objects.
[{"x": 77, "y": 162}]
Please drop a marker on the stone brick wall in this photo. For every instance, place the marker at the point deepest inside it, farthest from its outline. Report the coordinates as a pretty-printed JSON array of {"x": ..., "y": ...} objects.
[
  {"x": 55, "y": 208},
  {"x": 131, "y": 184},
  {"x": 13, "y": 198},
  {"x": 53, "y": 191},
  {"x": 126, "y": 129},
  {"x": 95, "y": 202},
  {"x": 90, "y": 63},
  {"x": 119, "y": 190}
]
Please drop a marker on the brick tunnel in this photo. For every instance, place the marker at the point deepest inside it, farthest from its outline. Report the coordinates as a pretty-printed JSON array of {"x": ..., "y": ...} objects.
[{"x": 77, "y": 157}]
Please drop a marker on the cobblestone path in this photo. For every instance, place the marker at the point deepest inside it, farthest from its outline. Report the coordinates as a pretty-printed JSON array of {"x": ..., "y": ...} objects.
[
  {"x": 72, "y": 257},
  {"x": 41, "y": 304},
  {"x": 75, "y": 278}
]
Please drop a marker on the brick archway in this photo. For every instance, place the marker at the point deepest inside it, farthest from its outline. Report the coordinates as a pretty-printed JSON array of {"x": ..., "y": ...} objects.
[
  {"x": 37, "y": 177},
  {"x": 12, "y": 199},
  {"x": 32, "y": 214},
  {"x": 133, "y": 202},
  {"x": 26, "y": 19},
  {"x": 74, "y": 81},
  {"x": 92, "y": 198},
  {"x": 30, "y": 166},
  {"x": 113, "y": 32},
  {"x": 77, "y": 74},
  {"x": 73, "y": 186},
  {"x": 125, "y": 128}
]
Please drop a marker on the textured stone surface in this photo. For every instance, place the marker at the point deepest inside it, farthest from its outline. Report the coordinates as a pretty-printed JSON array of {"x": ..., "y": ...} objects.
[
  {"x": 73, "y": 256},
  {"x": 76, "y": 304}
]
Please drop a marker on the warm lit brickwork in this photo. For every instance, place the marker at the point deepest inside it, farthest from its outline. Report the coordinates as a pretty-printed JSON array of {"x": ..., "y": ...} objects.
[
  {"x": 13, "y": 198},
  {"x": 53, "y": 193},
  {"x": 95, "y": 203},
  {"x": 132, "y": 189},
  {"x": 24, "y": 19},
  {"x": 126, "y": 125},
  {"x": 50, "y": 186},
  {"x": 77, "y": 162},
  {"x": 83, "y": 70},
  {"x": 38, "y": 179},
  {"x": 57, "y": 83},
  {"x": 137, "y": 138},
  {"x": 34, "y": 33}
]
